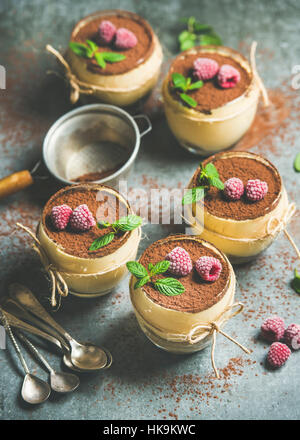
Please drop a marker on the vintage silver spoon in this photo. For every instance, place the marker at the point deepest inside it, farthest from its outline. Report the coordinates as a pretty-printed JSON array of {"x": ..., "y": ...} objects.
[
  {"x": 34, "y": 390},
  {"x": 16, "y": 321},
  {"x": 86, "y": 356},
  {"x": 59, "y": 381}
]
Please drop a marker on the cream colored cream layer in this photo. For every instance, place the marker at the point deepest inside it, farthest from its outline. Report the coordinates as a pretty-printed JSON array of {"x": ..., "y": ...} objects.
[
  {"x": 91, "y": 275},
  {"x": 208, "y": 134},
  {"x": 123, "y": 89},
  {"x": 170, "y": 324}
]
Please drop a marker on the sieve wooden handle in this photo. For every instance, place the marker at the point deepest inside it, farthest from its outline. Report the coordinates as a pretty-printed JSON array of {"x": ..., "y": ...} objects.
[{"x": 14, "y": 183}]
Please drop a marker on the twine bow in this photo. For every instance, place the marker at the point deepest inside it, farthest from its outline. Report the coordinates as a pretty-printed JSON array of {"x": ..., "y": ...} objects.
[
  {"x": 77, "y": 87},
  {"x": 212, "y": 328},
  {"x": 58, "y": 284}
]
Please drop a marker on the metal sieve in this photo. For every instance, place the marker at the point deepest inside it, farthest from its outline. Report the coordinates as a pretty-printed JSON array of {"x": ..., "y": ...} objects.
[{"x": 96, "y": 138}]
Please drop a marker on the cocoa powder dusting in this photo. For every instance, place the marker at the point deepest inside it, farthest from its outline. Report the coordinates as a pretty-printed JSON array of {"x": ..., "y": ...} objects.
[
  {"x": 245, "y": 169},
  {"x": 108, "y": 209},
  {"x": 211, "y": 95},
  {"x": 134, "y": 56},
  {"x": 94, "y": 176},
  {"x": 199, "y": 295}
]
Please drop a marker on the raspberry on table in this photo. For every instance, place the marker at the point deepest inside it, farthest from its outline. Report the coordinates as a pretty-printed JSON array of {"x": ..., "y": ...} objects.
[
  {"x": 82, "y": 219},
  {"x": 180, "y": 261},
  {"x": 234, "y": 188},
  {"x": 107, "y": 31},
  {"x": 256, "y": 190},
  {"x": 278, "y": 354},
  {"x": 273, "y": 328},
  {"x": 292, "y": 336},
  {"x": 125, "y": 39},
  {"x": 205, "y": 68},
  {"x": 209, "y": 268},
  {"x": 228, "y": 76},
  {"x": 60, "y": 216}
]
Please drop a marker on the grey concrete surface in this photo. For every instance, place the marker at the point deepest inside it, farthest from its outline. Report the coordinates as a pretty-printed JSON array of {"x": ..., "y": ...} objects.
[{"x": 144, "y": 382}]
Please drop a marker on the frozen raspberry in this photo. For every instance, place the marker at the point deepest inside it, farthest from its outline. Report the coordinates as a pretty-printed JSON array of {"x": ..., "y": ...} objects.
[
  {"x": 234, "y": 188},
  {"x": 181, "y": 263},
  {"x": 60, "y": 216},
  {"x": 256, "y": 190},
  {"x": 205, "y": 68},
  {"x": 292, "y": 336},
  {"x": 107, "y": 31},
  {"x": 82, "y": 219},
  {"x": 228, "y": 76},
  {"x": 125, "y": 39},
  {"x": 273, "y": 329},
  {"x": 209, "y": 268},
  {"x": 278, "y": 354}
]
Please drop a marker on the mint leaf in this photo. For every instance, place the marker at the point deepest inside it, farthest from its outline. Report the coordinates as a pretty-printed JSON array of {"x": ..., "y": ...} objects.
[
  {"x": 196, "y": 85},
  {"x": 99, "y": 58},
  {"x": 101, "y": 225},
  {"x": 142, "y": 281},
  {"x": 211, "y": 170},
  {"x": 200, "y": 28},
  {"x": 137, "y": 269},
  {"x": 112, "y": 57},
  {"x": 193, "y": 195},
  {"x": 296, "y": 284},
  {"x": 160, "y": 267},
  {"x": 215, "y": 181},
  {"x": 93, "y": 46},
  {"x": 210, "y": 39},
  {"x": 79, "y": 49},
  {"x": 102, "y": 241},
  {"x": 150, "y": 266},
  {"x": 169, "y": 286},
  {"x": 297, "y": 163},
  {"x": 187, "y": 44},
  {"x": 186, "y": 35},
  {"x": 188, "y": 100},
  {"x": 128, "y": 223},
  {"x": 179, "y": 81}
]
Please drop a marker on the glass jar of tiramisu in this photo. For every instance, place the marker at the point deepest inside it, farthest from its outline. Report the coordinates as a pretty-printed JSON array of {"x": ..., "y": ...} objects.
[
  {"x": 217, "y": 114},
  {"x": 174, "y": 322},
  {"x": 124, "y": 60},
  {"x": 83, "y": 241},
  {"x": 241, "y": 228}
]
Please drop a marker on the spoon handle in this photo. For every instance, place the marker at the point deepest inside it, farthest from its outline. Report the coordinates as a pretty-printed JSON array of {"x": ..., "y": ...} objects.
[
  {"x": 15, "y": 322},
  {"x": 16, "y": 345},
  {"x": 34, "y": 350},
  {"x": 27, "y": 299}
]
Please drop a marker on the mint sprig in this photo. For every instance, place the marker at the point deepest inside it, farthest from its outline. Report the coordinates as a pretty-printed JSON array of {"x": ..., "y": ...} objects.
[
  {"x": 197, "y": 34},
  {"x": 296, "y": 281},
  {"x": 184, "y": 85},
  {"x": 208, "y": 177},
  {"x": 297, "y": 163},
  {"x": 124, "y": 224},
  {"x": 90, "y": 50},
  {"x": 167, "y": 286}
]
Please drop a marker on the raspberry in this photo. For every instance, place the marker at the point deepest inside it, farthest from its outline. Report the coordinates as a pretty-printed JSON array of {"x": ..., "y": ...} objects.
[
  {"x": 82, "y": 219},
  {"x": 256, "y": 190},
  {"x": 205, "y": 68},
  {"x": 209, "y": 268},
  {"x": 107, "y": 31},
  {"x": 273, "y": 329},
  {"x": 234, "y": 188},
  {"x": 292, "y": 336},
  {"x": 181, "y": 263},
  {"x": 60, "y": 216},
  {"x": 125, "y": 39},
  {"x": 228, "y": 76},
  {"x": 278, "y": 354}
]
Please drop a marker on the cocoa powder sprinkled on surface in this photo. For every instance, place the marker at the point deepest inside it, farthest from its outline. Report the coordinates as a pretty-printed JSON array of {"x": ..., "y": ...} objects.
[
  {"x": 109, "y": 209},
  {"x": 245, "y": 169},
  {"x": 211, "y": 95},
  {"x": 134, "y": 56},
  {"x": 199, "y": 295}
]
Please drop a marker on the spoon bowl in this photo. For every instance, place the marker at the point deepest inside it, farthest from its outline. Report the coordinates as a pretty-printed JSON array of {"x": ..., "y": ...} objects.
[
  {"x": 63, "y": 382},
  {"x": 87, "y": 356},
  {"x": 35, "y": 390}
]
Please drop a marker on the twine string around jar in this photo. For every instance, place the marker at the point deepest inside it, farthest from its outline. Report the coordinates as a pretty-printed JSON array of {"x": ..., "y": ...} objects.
[{"x": 58, "y": 284}]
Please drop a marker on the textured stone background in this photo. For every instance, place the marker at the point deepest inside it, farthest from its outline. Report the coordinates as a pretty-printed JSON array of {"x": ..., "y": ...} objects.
[{"x": 145, "y": 382}]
